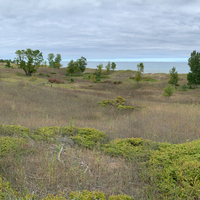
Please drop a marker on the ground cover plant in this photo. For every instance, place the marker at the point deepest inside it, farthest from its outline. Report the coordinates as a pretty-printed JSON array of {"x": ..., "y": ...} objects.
[{"x": 59, "y": 139}]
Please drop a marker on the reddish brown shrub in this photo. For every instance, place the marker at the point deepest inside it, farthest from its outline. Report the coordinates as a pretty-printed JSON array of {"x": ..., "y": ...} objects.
[
  {"x": 117, "y": 82},
  {"x": 107, "y": 81},
  {"x": 53, "y": 80}
]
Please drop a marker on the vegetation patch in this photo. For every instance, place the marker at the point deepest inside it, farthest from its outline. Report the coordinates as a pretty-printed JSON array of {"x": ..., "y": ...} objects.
[
  {"x": 52, "y": 72},
  {"x": 14, "y": 130},
  {"x": 119, "y": 102},
  {"x": 148, "y": 79},
  {"x": 130, "y": 148},
  {"x": 53, "y": 80},
  {"x": 176, "y": 168}
]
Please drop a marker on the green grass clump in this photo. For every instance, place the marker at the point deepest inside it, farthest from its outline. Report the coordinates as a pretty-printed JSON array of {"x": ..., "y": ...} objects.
[
  {"x": 16, "y": 130},
  {"x": 42, "y": 74},
  {"x": 12, "y": 145},
  {"x": 122, "y": 107},
  {"x": 129, "y": 148},
  {"x": 120, "y": 197},
  {"x": 52, "y": 72},
  {"x": 176, "y": 168},
  {"x": 149, "y": 79},
  {"x": 89, "y": 137}
]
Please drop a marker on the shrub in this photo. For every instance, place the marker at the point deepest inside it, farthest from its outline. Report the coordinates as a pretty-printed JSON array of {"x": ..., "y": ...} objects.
[
  {"x": 71, "y": 80},
  {"x": 89, "y": 137},
  {"x": 117, "y": 82},
  {"x": 129, "y": 148},
  {"x": 122, "y": 107},
  {"x": 184, "y": 87},
  {"x": 168, "y": 91},
  {"x": 107, "y": 81},
  {"x": 42, "y": 74},
  {"x": 87, "y": 195},
  {"x": 52, "y": 72},
  {"x": 120, "y": 197},
  {"x": 12, "y": 145},
  {"x": 33, "y": 78},
  {"x": 53, "y": 80},
  {"x": 176, "y": 168},
  {"x": 16, "y": 130}
]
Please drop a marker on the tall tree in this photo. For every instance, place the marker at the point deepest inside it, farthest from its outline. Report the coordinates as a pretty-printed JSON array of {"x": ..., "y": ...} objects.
[
  {"x": 193, "y": 77},
  {"x": 29, "y": 60},
  {"x": 113, "y": 66},
  {"x": 99, "y": 69},
  {"x": 57, "y": 61},
  {"x": 173, "y": 77}
]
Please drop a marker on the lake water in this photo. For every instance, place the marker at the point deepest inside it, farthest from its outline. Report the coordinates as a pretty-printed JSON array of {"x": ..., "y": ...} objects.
[{"x": 149, "y": 67}]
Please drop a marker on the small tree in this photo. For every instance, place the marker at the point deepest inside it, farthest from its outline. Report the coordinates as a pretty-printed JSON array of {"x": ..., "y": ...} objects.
[
  {"x": 99, "y": 69},
  {"x": 140, "y": 67},
  {"x": 138, "y": 77},
  {"x": 168, "y": 91},
  {"x": 173, "y": 77},
  {"x": 8, "y": 65},
  {"x": 50, "y": 59},
  {"x": 108, "y": 67},
  {"x": 72, "y": 67},
  {"x": 113, "y": 66}
]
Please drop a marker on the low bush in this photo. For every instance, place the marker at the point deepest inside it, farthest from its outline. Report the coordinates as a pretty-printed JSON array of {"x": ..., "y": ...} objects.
[
  {"x": 53, "y": 80},
  {"x": 107, "y": 81},
  {"x": 12, "y": 145},
  {"x": 16, "y": 130},
  {"x": 176, "y": 168},
  {"x": 117, "y": 82},
  {"x": 130, "y": 148},
  {"x": 52, "y": 72},
  {"x": 33, "y": 78},
  {"x": 89, "y": 137},
  {"x": 42, "y": 74},
  {"x": 71, "y": 80},
  {"x": 149, "y": 79}
]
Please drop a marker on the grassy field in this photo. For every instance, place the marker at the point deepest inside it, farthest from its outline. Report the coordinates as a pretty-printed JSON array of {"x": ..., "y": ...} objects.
[{"x": 62, "y": 164}]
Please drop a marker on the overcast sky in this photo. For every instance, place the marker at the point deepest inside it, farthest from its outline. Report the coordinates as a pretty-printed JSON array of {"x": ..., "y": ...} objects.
[{"x": 115, "y": 30}]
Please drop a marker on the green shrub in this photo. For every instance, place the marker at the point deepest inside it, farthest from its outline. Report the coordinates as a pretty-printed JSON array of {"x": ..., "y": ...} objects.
[
  {"x": 33, "y": 78},
  {"x": 122, "y": 107},
  {"x": 9, "y": 130},
  {"x": 12, "y": 145},
  {"x": 71, "y": 80},
  {"x": 149, "y": 79},
  {"x": 6, "y": 192},
  {"x": 89, "y": 137},
  {"x": 129, "y": 148},
  {"x": 87, "y": 195},
  {"x": 184, "y": 87},
  {"x": 52, "y": 72},
  {"x": 168, "y": 91},
  {"x": 176, "y": 168},
  {"x": 120, "y": 197}
]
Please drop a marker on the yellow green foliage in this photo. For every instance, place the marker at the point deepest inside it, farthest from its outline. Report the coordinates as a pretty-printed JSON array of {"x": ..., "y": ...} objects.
[
  {"x": 89, "y": 137},
  {"x": 176, "y": 168},
  {"x": 129, "y": 148},
  {"x": 12, "y": 145},
  {"x": 122, "y": 107},
  {"x": 87, "y": 195},
  {"x": 6, "y": 192},
  {"x": 33, "y": 78},
  {"x": 120, "y": 197},
  {"x": 14, "y": 130},
  {"x": 120, "y": 101}
]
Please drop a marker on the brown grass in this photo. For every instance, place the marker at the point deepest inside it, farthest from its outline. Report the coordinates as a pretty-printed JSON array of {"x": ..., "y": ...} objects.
[{"x": 29, "y": 104}]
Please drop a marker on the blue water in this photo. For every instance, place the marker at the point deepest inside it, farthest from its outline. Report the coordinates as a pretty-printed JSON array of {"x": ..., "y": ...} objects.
[{"x": 149, "y": 67}]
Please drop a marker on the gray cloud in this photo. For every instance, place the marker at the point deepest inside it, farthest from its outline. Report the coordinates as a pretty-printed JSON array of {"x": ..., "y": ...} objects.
[{"x": 99, "y": 29}]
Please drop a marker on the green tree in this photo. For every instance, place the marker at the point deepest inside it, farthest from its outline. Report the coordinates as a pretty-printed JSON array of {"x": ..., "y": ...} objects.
[
  {"x": 138, "y": 77},
  {"x": 108, "y": 67},
  {"x": 173, "y": 77},
  {"x": 140, "y": 67},
  {"x": 113, "y": 66},
  {"x": 193, "y": 77},
  {"x": 51, "y": 59},
  {"x": 72, "y": 67},
  {"x": 8, "y": 65},
  {"x": 29, "y": 60},
  {"x": 168, "y": 91},
  {"x": 57, "y": 61},
  {"x": 82, "y": 63},
  {"x": 99, "y": 69}
]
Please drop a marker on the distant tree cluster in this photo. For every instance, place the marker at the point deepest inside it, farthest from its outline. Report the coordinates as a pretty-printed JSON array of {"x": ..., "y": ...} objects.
[
  {"x": 77, "y": 66},
  {"x": 54, "y": 61}
]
